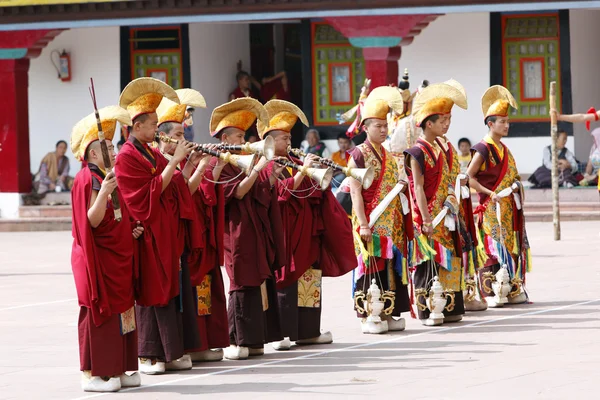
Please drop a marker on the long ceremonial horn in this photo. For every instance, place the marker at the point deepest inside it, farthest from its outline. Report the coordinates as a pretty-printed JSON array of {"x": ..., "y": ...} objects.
[
  {"x": 364, "y": 175},
  {"x": 322, "y": 176},
  {"x": 265, "y": 147},
  {"x": 245, "y": 163}
]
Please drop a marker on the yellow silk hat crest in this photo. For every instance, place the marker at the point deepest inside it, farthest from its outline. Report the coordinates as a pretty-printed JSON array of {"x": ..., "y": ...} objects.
[
  {"x": 282, "y": 116},
  {"x": 85, "y": 131},
  {"x": 143, "y": 96},
  {"x": 495, "y": 102},
  {"x": 380, "y": 101},
  {"x": 436, "y": 99},
  {"x": 169, "y": 111},
  {"x": 239, "y": 113}
]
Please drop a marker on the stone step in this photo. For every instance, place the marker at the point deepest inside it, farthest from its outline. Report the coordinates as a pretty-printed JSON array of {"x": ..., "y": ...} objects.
[
  {"x": 564, "y": 206},
  {"x": 45, "y": 211},
  {"x": 545, "y": 216},
  {"x": 35, "y": 224},
  {"x": 588, "y": 194}
]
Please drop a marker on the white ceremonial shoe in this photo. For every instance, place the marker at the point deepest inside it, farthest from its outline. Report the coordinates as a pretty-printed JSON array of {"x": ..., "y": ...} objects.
[
  {"x": 492, "y": 303},
  {"x": 133, "y": 380},
  {"x": 432, "y": 321},
  {"x": 518, "y": 299},
  {"x": 146, "y": 367},
  {"x": 256, "y": 352},
  {"x": 396, "y": 325},
  {"x": 282, "y": 345},
  {"x": 323, "y": 338},
  {"x": 180, "y": 364},
  {"x": 476, "y": 305},
  {"x": 376, "y": 328},
  {"x": 91, "y": 383},
  {"x": 207, "y": 355},
  {"x": 236, "y": 352},
  {"x": 452, "y": 318}
]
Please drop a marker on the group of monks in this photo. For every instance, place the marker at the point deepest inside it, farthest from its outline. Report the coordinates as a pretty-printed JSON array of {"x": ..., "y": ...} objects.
[{"x": 153, "y": 226}]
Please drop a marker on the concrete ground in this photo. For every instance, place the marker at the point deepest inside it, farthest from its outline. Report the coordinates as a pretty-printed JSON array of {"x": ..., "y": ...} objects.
[{"x": 548, "y": 349}]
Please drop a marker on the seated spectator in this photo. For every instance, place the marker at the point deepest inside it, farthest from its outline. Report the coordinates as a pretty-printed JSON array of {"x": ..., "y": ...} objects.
[
  {"x": 567, "y": 166},
  {"x": 593, "y": 166},
  {"x": 313, "y": 144},
  {"x": 464, "y": 154},
  {"x": 54, "y": 171},
  {"x": 341, "y": 157},
  {"x": 188, "y": 129}
]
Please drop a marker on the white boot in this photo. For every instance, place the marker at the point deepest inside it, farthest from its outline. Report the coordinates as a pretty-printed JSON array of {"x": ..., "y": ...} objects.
[
  {"x": 91, "y": 383},
  {"x": 207, "y": 355},
  {"x": 236, "y": 352},
  {"x": 371, "y": 327},
  {"x": 323, "y": 338},
  {"x": 133, "y": 380},
  {"x": 492, "y": 303},
  {"x": 181, "y": 364},
  {"x": 146, "y": 366},
  {"x": 256, "y": 352},
  {"x": 476, "y": 305},
  {"x": 395, "y": 325},
  {"x": 282, "y": 345},
  {"x": 518, "y": 299}
]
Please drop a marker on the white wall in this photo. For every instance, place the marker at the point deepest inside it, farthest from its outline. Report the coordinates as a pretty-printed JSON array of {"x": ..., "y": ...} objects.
[
  {"x": 214, "y": 52},
  {"x": 55, "y": 106},
  {"x": 584, "y": 30}
]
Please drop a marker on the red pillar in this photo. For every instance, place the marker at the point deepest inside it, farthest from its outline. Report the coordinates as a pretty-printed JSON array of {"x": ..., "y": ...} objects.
[
  {"x": 15, "y": 175},
  {"x": 381, "y": 64}
]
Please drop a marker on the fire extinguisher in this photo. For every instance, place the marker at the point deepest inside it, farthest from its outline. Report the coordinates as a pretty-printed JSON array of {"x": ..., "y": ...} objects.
[{"x": 63, "y": 66}]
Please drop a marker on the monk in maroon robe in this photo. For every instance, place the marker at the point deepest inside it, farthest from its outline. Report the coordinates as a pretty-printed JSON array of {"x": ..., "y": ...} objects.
[
  {"x": 104, "y": 263},
  {"x": 158, "y": 197},
  {"x": 250, "y": 245},
  {"x": 202, "y": 291},
  {"x": 317, "y": 234}
]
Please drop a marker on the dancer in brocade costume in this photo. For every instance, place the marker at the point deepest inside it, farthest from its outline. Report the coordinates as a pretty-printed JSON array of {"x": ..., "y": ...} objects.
[
  {"x": 438, "y": 248},
  {"x": 381, "y": 246},
  {"x": 494, "y": 176},
  {"x": 471, "y": 289}
]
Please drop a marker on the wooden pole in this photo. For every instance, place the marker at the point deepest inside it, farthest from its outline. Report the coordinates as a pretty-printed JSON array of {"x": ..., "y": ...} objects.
[{"x": 554, "y": 136}]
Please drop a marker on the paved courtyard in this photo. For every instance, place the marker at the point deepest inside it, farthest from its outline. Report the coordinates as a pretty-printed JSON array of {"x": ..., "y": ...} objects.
[{"x": 548, "y": 349}]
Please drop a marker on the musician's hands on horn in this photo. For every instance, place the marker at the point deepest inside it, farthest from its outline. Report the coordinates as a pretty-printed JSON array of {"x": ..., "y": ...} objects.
[
  {"x": 312, "y": 160},
  {"x": 109, "y": 184},
  {"x": 182, "y": 150}
]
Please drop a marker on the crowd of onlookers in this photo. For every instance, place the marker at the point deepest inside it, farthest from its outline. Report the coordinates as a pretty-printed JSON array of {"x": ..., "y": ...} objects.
[{"x": 53, "y": 173}]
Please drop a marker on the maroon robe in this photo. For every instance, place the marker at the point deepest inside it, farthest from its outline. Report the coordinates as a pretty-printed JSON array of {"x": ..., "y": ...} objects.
[
  {"x": 317, "y": 234},
  {"x": 162, "y": 214},
  {"x": 207, "y": 260},
  {"x": 165, "y": 217},
  {"x": 104, "y": 266},
  {"x": 316, "y": 229},
  {"x": 252, "y": 249}
]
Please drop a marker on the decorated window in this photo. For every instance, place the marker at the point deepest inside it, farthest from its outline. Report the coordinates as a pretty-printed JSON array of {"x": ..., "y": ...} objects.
[
  {"x": 156, "y": 52},
  {"x": 338, "y": 74},
  {"x": 531, "y": 58}
]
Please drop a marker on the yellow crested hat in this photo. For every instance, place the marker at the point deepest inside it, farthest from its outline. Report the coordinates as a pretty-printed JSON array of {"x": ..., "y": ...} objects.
[
  {"x": 239, "y": 113},
  {"x": 495, "y": 102},
  {"x": 380, "y": 101},
  {"x": 169, "y": 111},
  {"x": 85, "y": 131},
  {"x": 438, "y": 98},
  {"x": 282, "y": 115},
  {"x": 143, "y": 96}
]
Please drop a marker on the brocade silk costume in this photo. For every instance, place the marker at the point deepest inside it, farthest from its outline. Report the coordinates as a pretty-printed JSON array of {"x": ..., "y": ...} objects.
[{"x": 385, "y": 257}]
